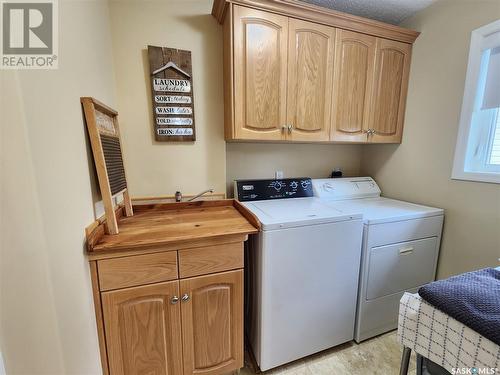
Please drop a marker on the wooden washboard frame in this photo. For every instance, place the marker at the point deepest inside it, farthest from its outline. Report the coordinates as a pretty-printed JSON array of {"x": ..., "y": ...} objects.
[{"x": 104, "y": 133}]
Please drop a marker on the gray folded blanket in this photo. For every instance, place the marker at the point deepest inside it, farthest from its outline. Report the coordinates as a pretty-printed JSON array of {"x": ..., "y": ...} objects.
[{"x": 472, "y": 298}]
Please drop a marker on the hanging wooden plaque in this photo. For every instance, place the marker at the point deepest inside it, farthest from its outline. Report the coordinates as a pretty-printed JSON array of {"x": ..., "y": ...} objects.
[{"x": 172, "y": 94}]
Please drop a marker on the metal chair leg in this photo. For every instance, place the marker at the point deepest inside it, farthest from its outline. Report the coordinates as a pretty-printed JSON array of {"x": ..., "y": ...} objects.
[
  {"x": 405, "y": 361},
  {"x": 420, "y": 364}
]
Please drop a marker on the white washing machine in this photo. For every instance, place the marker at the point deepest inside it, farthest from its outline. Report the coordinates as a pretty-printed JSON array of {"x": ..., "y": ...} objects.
[
  {"x": 304, "y": 267},
  {"x": 399, "y": 253}
]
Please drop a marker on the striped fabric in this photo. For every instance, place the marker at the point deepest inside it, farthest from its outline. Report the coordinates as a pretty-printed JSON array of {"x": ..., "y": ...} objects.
[{"x": 442, "y": 339}]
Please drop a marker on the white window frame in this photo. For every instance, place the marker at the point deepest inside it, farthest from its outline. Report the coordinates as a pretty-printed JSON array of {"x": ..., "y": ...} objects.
[{"x": 478, "y": 44}]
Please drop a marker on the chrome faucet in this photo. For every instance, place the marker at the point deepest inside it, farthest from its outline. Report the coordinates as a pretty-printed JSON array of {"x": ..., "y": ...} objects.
[{"x": 200, "y": 194}]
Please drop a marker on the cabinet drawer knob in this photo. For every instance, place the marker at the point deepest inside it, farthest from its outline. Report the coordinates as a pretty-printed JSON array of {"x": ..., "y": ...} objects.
[
  {"x": 174, "y": 300},
  {"x": 185, "y": 298}
]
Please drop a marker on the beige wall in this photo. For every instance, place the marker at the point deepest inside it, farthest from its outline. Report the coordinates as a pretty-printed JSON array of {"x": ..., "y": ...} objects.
[
  {"x": 156, "y": 168},
  {"x": 259, "y": 160},
  {"x": 160, "y": 168},
  {"x": 47, "y": 321},
  {"x": 420, "y": 168}
]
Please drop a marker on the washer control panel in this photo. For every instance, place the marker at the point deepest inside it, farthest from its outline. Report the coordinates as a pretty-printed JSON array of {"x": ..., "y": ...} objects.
[{"x": 258, "y": 190}]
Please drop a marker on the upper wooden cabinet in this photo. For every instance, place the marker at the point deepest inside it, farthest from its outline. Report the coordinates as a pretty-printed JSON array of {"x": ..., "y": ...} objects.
[
  {"x": 390, "y": 88},
  {"x": 297, "y": 72},
  {"x": 310, "y": 74},
  {"x": 353, "y": 85},
  {"x": 370, "y": 85},
  {"x": 260, "y": 55}
]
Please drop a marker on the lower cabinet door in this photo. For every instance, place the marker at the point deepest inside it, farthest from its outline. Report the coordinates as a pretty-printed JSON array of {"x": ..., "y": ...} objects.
[
  {"x": 212, "y": 323},
  {"x": 143, "y": 330}
]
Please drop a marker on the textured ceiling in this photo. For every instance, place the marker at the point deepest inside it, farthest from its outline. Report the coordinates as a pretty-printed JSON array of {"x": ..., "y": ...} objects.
[{"x": 390, "y": 11}]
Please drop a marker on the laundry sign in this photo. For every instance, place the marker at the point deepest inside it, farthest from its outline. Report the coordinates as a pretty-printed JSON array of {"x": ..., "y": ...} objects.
[
  {"x": 174, "y": 121},
  {"x": 171, "y": 85},
  {"x": 172, "y": 93},
  {"x": 174, "y": 131},
  {"x": 174, "y": 99},
  {"x": 174, "y": 110}
]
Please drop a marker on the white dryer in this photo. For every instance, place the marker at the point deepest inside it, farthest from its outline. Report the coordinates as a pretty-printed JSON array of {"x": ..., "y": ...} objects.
[
  {"x": 399, "y": 253},
  {"x": 303, "y": 267}
]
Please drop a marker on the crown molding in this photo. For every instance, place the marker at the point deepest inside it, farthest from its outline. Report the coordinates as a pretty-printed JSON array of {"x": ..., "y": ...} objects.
[{"x": 325, "y": 16}]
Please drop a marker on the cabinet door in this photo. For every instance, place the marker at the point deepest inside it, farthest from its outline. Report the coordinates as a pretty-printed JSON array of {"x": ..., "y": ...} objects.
[
  {"x": 260, "y": 63},
  {"x": 143, "y": 330},
  {"x": 310, "y": 76},
  {"x": 391, "y": 86},
  {"x": 353, "y": 83},
  {"x": 212, "y": 323}
]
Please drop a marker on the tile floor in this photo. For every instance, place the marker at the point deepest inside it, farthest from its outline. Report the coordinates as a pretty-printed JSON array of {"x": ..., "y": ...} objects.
[{"x": 380, "y": 355}]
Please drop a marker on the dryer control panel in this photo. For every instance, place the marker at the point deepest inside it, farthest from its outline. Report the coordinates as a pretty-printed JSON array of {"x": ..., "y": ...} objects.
[
  {"x": 345, "y": 188},
  {"x": 258, "y": 190}
]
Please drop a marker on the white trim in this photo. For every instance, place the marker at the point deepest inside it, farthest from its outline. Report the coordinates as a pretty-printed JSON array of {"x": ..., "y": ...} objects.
[
  {"x": 477, "y": 176},
  {"x": 477, "y": 45}
]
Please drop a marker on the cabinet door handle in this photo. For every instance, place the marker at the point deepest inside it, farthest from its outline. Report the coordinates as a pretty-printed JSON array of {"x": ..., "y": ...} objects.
[
  {"x": 283, "y": 128},
  {"x": 174, "y": 300},
  {"x": 185, "y": 298},
  {"x": 290, "y": 127},
  {"x": 406, "y": 250}
]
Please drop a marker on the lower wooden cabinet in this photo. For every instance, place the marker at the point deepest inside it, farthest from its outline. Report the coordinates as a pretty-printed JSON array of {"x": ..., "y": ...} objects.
[
  {"x": 191, "y": 325},
  {"x": 212, "y": 323},
  {"x": 143, "y": 329}
]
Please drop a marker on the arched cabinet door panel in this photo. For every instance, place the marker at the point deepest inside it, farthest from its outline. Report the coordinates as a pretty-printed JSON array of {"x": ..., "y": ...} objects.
[
  {"x": 310, "y": 76},
  {"x": 143, "y": 330},
  {"x": 212, "y": 323},
  {"x": 260, "y": 69},
  {"x": 353, "y": 86},
  {"x": 390, "y": 89}
]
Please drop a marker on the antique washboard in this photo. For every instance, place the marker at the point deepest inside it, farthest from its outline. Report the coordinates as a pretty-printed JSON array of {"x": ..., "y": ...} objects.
[{"x": 104, "y": 133}]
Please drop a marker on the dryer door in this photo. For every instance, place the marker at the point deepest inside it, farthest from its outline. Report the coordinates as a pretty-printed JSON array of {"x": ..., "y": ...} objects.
[{"x": 401, "y": 266}]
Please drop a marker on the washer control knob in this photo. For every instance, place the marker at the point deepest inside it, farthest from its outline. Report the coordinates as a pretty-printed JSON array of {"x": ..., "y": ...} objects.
[{"x": 327, "y": 187}]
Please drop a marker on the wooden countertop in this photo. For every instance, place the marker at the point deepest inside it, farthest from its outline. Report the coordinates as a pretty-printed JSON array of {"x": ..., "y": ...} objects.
[{"x": 173, "y": 223}]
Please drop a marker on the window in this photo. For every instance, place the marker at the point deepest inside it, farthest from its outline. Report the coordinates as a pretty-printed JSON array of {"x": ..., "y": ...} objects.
[
  {"x": 477, "y": 154},
  {"x": 494, "y": 154}
]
